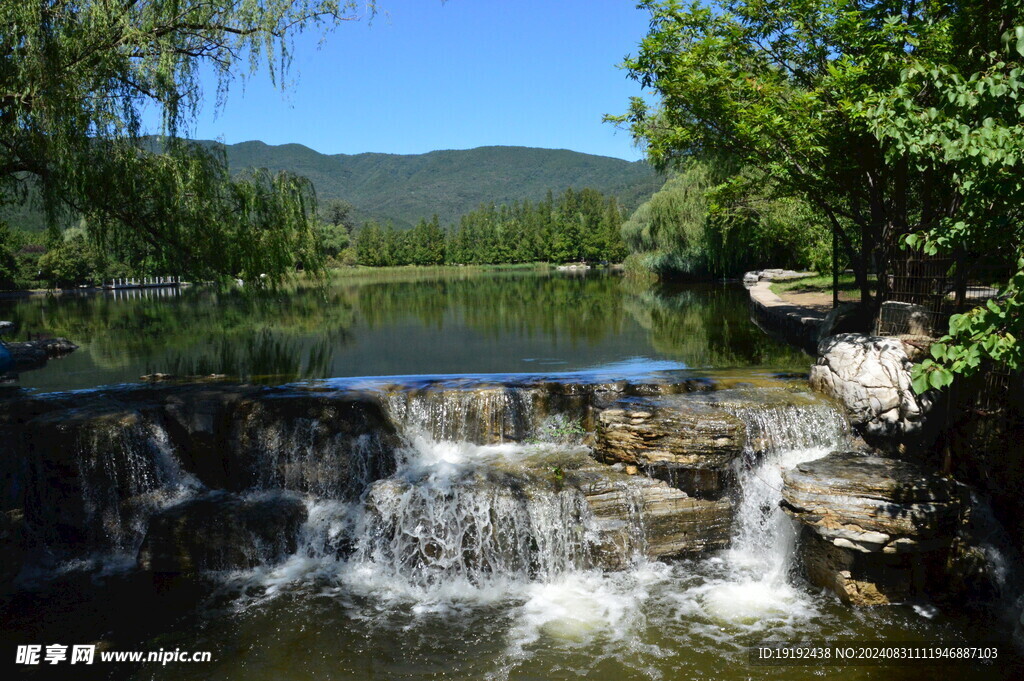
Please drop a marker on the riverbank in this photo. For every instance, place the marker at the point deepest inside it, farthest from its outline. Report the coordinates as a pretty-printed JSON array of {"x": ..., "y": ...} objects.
[
  {"x": 396, "y": 272},
  {"x": 814, "y": 291},
  {"x": 780, "y": 318}
]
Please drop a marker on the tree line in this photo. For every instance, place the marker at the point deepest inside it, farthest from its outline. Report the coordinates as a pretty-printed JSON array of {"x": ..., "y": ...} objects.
[{"x": 577, "y": 226}]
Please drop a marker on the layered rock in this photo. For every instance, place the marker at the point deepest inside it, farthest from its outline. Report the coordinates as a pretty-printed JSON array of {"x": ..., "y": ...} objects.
[
  {"x": 89, "y": 475},
  {"x": 528, "y": 517},
  {"x": 329, "y": 444},
  {"x": 672, "y": 523},
  {"x": 222, "y": 531},
  {"x": 870, "y": 376},
  {"x": 875, "y": 530},
  {"x": 516, "y": 410},
  {"x": 85, "y": 472},
  {"x": 687, "y": 443}
]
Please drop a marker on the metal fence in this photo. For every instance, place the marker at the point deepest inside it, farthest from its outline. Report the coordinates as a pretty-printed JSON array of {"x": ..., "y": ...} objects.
[{"x": 922, "y": 292}]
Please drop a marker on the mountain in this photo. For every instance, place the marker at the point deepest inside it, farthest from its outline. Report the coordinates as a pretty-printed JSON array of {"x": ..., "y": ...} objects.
[{"x": 403, "y": 188}]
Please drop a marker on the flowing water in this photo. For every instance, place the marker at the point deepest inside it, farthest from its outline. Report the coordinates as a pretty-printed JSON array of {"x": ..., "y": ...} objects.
[
  {"x": 464, "y": 556},
  {"x": 466, "y": 561}
]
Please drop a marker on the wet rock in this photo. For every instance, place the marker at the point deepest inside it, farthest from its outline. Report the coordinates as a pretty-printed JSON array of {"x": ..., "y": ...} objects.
[
  {"x": 329, "y": 444},
  {"x": 29, "y": 355},
  {"x": 479, "y": 414},
  {"x": 222, "y": 531},
  {"x": 89, "y": 469},
  {"x": 84, "y": 472},
  {"x": 13, "y": 543},
  {"x": 646, "y": 517},
  {"x": 875, "y": 530},
  {"x": 199, "y": 420},
  {"x": 870, "y": 376},
  {"x": 525, "y": 518},
  {"x": 687, "y": 443},
  {"x": 56, "y": 347}
]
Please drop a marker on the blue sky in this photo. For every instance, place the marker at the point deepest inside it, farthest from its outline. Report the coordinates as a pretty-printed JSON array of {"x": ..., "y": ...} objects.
[{"x": 454, "y": 75}]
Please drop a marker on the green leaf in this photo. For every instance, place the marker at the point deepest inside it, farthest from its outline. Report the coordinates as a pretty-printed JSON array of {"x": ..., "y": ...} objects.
[{"x": 939, "y": 378}]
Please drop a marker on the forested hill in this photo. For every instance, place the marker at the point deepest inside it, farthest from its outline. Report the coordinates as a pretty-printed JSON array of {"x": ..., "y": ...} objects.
[{"x": 405, "y": 188}]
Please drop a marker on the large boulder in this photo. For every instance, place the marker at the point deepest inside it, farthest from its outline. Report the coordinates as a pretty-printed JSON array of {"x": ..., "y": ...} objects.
[
  {"x": 875, "y": 530},
  {"x": 870, "y": 376},
  {"x": 688, "y": 443},
  {"x": 222, "y": 531}
]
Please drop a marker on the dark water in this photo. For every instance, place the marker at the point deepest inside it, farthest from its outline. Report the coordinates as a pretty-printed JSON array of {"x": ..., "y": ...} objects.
[
  {"x": 423, "y": 324},
  {"x": 317, "y": 617}
]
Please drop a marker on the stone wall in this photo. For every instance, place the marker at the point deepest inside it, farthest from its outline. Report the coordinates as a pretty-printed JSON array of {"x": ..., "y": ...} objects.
[{"x": 793, "y": 324}]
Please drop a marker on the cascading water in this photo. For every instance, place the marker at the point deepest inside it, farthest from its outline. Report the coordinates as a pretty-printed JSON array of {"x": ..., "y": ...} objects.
[
  {"x": 484, "y": 415},
  {"x": 469, "y": 520},
  {"x": 126, "y": 472},
  {"x": 749, "y": 584},
  {"x": 483, "y": 559},
  {"x": 305, "y": 456}
]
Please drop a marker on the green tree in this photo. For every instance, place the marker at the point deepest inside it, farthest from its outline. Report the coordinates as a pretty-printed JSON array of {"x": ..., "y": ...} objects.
[
  {"x": 9, "y": 246},
  {"x": 666, "y": 233},
  {"x": 338, "y": 213},
  {"x": 957, "y": 116},
  {"x": 72, "y": 260},
  {"x": 74, "y": 81},
  {"x": 898, "y": 121},
  {"x": 334, "y": 239},
  {"x": 775, "y": 87}
]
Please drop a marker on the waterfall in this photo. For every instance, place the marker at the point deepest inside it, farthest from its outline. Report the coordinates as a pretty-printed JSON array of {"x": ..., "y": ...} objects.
[
  {"x": 303, "y": 455},
  {"x": 127, "y": 472},
  {"x": 324, "y": 455},
  {"x": 118, "y": 471},
  {"x": 460, "y": 520},
  {"x": 483, "y": 415},
  {"x": 779, "y": 421},
  {"x": 749, "y": 585}
]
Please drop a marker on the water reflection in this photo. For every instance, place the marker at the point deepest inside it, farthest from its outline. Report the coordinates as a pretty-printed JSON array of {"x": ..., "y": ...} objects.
[{"x": 424, "y": 323}]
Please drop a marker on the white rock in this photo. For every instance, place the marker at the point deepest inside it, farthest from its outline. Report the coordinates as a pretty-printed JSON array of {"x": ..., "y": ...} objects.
[{"x": 870, "y": 375}]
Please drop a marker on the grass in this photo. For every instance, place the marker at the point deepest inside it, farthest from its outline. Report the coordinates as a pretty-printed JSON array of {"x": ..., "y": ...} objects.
[{"x": 821, "y": 283}]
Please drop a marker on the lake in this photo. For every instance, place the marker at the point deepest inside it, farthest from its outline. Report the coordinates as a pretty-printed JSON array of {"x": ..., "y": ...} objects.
[
  {"x": 460, "y": 558},
  {"x": 411, "y": 324}
]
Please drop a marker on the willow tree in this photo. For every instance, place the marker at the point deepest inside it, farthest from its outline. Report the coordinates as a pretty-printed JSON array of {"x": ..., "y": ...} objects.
[{"x": 75, "y": 81}]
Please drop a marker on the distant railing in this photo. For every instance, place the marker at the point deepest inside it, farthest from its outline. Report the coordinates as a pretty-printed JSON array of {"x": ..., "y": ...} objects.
[{"x": 141, "y": 282}]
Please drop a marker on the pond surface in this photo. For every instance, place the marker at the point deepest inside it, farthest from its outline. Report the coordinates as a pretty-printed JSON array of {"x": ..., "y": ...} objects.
[
  {"x": 479, "y": 322},
  {"x": 318, "y": 616}
]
